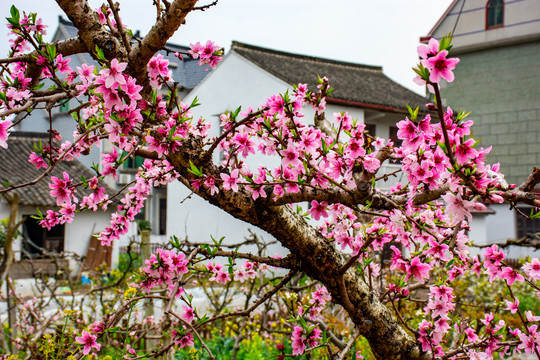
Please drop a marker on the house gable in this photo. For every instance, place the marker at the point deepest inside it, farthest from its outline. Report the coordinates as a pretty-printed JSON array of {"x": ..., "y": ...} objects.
[{"x": 468, "y": 21}]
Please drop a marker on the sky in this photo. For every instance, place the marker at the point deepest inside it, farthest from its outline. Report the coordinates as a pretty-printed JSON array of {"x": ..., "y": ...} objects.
[{"x": 376, "y": 32}]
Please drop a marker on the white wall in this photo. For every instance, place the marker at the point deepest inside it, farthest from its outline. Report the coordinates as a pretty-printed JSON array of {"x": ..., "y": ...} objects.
[
  {"x": 502, "y": 226},
  {"x": 4, "y": 210},
  {"x": 236, "y": 82},
  {"x": 77, "y": 234},
  {"x": 478, "y": 232}
]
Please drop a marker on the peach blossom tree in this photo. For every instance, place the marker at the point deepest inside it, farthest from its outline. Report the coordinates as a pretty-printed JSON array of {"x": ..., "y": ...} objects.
[{"x": 128, "y": 101}]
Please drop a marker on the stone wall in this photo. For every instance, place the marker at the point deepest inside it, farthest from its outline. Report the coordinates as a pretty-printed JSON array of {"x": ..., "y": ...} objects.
[{"x": 501, "y": 88}]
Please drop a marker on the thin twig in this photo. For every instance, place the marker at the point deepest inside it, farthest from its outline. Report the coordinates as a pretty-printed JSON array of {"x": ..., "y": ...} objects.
[
  {"x": 350, "y": 344},
  {"x": 119, "y": 25}
]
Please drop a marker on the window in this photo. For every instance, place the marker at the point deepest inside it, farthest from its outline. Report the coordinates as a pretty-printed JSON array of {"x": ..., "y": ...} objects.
[
  {"x": 370, "y": 128},
  {"x": 38, "y": 239},
  {"x": 526, "y": 226},
  {"x": 494, "y": 14},
  {"x": 393, "y": 136},
  {"x": 387, "y": 253},
  {"x": 64, "y": 106},
  {"x": 162, "y": 216},
  {"x": 133, "y": 163}
]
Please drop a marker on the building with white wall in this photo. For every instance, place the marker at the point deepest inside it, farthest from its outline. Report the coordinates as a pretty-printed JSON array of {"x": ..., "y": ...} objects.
[
  {"x": 36, "y": 242},
  {"x": 247, "y": 76}
]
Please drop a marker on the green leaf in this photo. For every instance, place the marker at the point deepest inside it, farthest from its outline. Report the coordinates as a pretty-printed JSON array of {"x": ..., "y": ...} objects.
[
  {"x": 194, "y": 170},
  {"x": 413, "y": 113},
  {"x": 443, "y": 146},
  {"x": 324, "y": 147},
  {"x": 14, "y": 12},
  {"x": 15, "y": 17},
  {"x": 38, "y": 86},
  {"x": 51, "y": 52},
  {"x": 462, "y": 115},
  {"x": 99, "y": 54},
  {"x": 286, "y": 97},
  {"x": 206, "y": 247},
  {"x": 39, "y": 215},
  {"x": 368, "y": 205},
  {"x": 194, "y": 103},
  {"x": 236, "y": 112},
  {"x": 95, "y": 167},
  {"x": 422, "y": 71},
  {"x": 445, "y": 43},
  {"x": 329, "y": 91},
  {"x": 217, "y": 242},
  {"x": 203, "y": 319},
  {"x": 175, "y": 242}
]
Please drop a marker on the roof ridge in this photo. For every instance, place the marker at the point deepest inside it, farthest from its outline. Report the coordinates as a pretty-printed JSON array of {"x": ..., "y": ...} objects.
[
  {"x": 61, "y": 20},
  {"x": 237, "y": 44},
  {"x": 28, "y": 135}
]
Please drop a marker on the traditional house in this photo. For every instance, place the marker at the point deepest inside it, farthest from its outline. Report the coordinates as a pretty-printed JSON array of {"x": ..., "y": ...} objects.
[
  {"x": 33, "y": 249},
  {"x": 187, "y": 73},
  {"x": 247, "y": 76},
  {"x": 498, "y": 80}
]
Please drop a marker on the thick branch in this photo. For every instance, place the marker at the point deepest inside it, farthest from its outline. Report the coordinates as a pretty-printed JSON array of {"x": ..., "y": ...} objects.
[
  {"x": 91, "y": 31},
  {"x": 288, "y": 262},
  {"x": 11, "y": 230},
  {"x": 360, "y": 195},
  {"x": 164, "y": 28},
  {"x": 531, "y": 181},
  {"x": 319, "y": 259}
]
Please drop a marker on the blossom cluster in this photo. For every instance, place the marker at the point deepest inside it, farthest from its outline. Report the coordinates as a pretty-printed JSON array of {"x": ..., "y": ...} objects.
[
  {"x": 165, "y": 267},
  {"x": 305, "y": 162}
]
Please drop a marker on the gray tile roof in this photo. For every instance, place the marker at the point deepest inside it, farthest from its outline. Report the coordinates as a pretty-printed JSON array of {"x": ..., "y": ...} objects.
[
  {"x": 354, "y": 83},
  {"x": 68, "y": 31},
  {"x": 14, "y": 166},
  {"x": 187, "y": 72}
]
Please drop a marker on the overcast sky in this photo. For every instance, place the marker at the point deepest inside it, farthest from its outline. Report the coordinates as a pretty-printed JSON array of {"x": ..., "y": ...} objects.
[{"x": 380, "y": 32}]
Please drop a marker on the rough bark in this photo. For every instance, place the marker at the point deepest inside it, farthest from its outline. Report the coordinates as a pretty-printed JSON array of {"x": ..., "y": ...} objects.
[
  {"x": 91, "y": 32},
  {"x": 318, "y": 259},
  {"x": 164, "y": 28}
]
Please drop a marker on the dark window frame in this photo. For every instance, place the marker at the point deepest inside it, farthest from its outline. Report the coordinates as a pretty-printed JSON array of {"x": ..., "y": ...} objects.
[
  {"x": 162, "y": 216},
  {"x": 492, "y": 8},
  {"x": 525, "y": 226},
  {"x": 52, "y": 240},
  {"x": 64, "y": 106}
]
